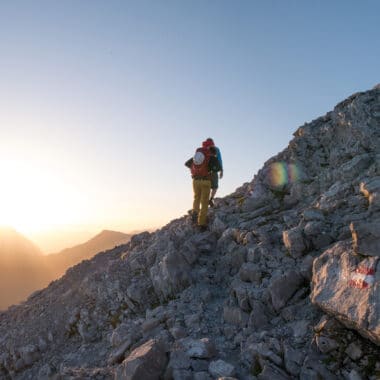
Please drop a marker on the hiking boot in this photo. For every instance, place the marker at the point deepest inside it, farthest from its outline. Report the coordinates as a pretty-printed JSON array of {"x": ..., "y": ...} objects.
[
  {"x": 211, "y": 203},
  {"x": 193, "y": 216}
]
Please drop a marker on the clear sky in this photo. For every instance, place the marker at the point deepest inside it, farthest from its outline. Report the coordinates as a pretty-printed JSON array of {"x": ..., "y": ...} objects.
[{"x": 102, "y": 102}]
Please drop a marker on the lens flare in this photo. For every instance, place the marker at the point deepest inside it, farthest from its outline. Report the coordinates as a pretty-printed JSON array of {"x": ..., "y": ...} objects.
[
  {"x": 278, "y": 174},
  {"x": 294, "y": 173},
  {"x": 281, "y": 174}
]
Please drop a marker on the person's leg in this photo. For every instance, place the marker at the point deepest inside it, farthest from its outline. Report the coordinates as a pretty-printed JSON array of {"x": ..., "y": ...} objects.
[
  {"x": 197, "y": 189},
  {"x": 205, "y": 195},
  {"x": 214, "y": 188}
]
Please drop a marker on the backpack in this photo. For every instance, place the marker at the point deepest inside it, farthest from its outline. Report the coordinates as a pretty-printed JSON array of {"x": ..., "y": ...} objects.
[{"x": 199, "y": 167}]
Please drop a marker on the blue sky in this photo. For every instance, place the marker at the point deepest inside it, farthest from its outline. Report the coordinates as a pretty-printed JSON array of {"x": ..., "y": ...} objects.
[{"x": 101, "y": 102}]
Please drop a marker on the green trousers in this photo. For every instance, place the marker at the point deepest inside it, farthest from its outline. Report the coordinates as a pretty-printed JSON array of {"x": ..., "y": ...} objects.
[{"x": 202, "y": 190}]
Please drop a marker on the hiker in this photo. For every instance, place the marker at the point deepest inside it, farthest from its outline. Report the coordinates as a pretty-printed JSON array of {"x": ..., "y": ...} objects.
[
  {"x": 214, "y": 174},
  {"x": 201, "y": 165}
]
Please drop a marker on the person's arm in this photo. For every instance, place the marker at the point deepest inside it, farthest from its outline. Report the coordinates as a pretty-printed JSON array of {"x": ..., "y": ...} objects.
[
  {"x": 219, "y": 157},
  {"x": 189, "y": 162}
]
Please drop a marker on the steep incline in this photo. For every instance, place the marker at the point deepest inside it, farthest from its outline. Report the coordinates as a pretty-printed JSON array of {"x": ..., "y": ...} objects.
[{"x": 285, "y": 285}]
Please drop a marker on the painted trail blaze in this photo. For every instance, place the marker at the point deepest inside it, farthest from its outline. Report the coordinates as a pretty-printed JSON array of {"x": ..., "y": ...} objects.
[{"x": 362, "y": 277}]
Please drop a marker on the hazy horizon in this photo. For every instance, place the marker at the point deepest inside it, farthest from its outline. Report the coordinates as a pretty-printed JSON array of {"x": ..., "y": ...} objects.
[{"x": 63, "y": 237}]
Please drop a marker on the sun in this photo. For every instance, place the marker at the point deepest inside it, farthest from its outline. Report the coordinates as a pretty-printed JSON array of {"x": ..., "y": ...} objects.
[{"x": 34, "y": 197}]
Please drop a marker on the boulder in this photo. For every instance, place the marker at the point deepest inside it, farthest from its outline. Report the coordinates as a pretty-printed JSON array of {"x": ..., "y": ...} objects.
[
  {"x": 271, "y": 372},
  {"x": 294, "y": 241},
  {"x": 293, "y": 360},
  {"x": 259, "y": 197},
  {"x": 179, "y": 360},
  {"x": 258, "y": 318},
  {"x": 313, "y": 214},
  {"x": 314, "y": 369},
  {"x": 282, "y": 288},
  {"x": 198, "y": 348},
  {"x": 235, "y": 316},
  {"x": 355, "y": 167},
  {"x": 370, "y": 188},
  {"x": 29, "y": 354},
  {"x": 366, "y": 237},
  {"x": 326, "y": 344},
  {"x": 220, "y": 368},
  {"x": 334, "y": 197},
  {"x": 170, "y": 274},
  {"x": 346, "y": 286},
  {"x": 117, "y": 355},
  {"x": 146, "y": 362},
  {"x": 250, "y": 273}
]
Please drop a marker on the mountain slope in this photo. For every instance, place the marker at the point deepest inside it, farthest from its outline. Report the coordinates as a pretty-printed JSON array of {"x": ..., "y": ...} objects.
[
  {"x": 285, "y": 285},
  {"x": 59, "y": 262}
]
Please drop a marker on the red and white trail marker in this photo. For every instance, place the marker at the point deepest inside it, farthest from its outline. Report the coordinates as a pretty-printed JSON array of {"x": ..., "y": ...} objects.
[{"x": 362, "y": 278}]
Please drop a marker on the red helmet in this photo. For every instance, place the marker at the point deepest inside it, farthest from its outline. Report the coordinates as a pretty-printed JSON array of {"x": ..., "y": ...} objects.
[{"x": 207, "y": 143}]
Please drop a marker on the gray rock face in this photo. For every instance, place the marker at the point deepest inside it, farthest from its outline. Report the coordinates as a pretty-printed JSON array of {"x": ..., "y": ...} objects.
[
  {"x": 145, "y": 362},
  {"x": 233, "y": 302},
  {"x": 345, "y": 285},
  {"x": 366, "y": 237},
  {"x": 284, "y": 287},
  {"x": 198, "y": 348},
  {"x": 220, "y": 368},
  {"x": 294, "y": 242}
]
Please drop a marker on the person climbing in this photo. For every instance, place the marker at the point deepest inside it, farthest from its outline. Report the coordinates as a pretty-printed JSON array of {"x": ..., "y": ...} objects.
[
  {"x": 201, "y": 166},
  {"x": 214, "y": 175}
]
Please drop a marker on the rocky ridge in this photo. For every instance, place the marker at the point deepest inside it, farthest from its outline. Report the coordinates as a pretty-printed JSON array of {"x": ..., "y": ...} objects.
[{"x": 284, "y": 285}]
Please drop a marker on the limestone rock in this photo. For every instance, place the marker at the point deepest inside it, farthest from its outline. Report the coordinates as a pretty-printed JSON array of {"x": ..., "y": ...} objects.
[
  {"x": 220, "y": 368},
  {"x": 198, "y": 348},
  {"x": 145, "y": 362},
  {"x": 294, "y": 241},
  {"x": 249, "y": 273},
  {"x": 345, "y": 285},
  {"x": 283, "y": 288},
  {"x": 235, "y": 316},
  {"x": 370, "y": 188},
  {"x": 171, "y": 274},
  {"x": 366, "y": 237}
]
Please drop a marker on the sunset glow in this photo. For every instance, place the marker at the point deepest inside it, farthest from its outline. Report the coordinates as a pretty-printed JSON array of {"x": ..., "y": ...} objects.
[{"x": 33, "y": 198}]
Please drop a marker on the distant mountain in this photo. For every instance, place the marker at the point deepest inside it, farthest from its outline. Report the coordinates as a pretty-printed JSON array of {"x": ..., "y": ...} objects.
[
  {"x": 13, "y": 245},
  {"x": 21, "y": 267},
  {"x": 24, "y": 269},
  {"x": 59, "y": 262}
]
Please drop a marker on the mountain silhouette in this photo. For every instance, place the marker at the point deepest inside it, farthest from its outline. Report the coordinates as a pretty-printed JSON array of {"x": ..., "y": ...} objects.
[
  {"x": 21, "y": 266},
  {"x": 24, "y": 269},
  {"x": 59, "y": 262},
  {"x": 13, "y": 245}
]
